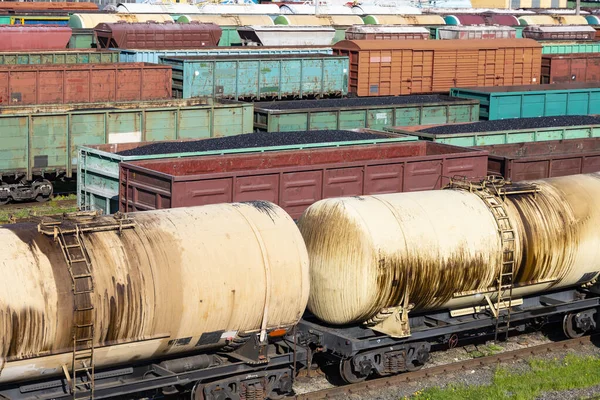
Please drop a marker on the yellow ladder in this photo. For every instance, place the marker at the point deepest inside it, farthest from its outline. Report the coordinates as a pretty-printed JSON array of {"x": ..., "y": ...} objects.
[{"x": 68, "y": 233}]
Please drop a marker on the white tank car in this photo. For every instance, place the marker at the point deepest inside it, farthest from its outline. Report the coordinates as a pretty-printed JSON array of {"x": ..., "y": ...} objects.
[
  {"x": 443, "y": 249},
  {"x": 180, "y": 280}
]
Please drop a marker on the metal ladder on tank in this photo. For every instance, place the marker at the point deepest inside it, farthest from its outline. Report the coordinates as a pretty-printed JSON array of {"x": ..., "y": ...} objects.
[
  {"x": 506, "y": 272},
  {"x": 493, "y": 191},
  {"x": 69, "y": 238}
]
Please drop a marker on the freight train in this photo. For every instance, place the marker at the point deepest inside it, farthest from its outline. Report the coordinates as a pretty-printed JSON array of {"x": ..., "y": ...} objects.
[{"x": 177, "y": 301}]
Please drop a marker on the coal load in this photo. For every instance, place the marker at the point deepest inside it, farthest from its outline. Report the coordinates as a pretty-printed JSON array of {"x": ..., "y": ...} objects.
[
  {"x": 354, "y": 102},
  {"x": 250, "y": 140},
  {"x": 514, "y": 124}
]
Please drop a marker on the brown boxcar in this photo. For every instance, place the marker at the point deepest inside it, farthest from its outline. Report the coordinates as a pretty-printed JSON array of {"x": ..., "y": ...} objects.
[
  {"x": 576, "y": 67},
  {"x": 540, "y": 160},
  {"x": 83, "y": 83},
  {"x": 151, "y": 35},
  {"x": 398, "y": 67},
  {"x": 28, "y": 37},
  {"x": 295, "y": 179}
]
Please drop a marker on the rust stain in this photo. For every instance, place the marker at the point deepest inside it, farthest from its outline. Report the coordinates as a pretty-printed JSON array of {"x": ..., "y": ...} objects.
[
  {"x": 29, "y": 336},
  {"x": 549, "y": 230}
]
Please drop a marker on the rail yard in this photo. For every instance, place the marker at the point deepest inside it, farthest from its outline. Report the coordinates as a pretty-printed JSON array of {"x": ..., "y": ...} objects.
[{"x": 229, "y": 198}]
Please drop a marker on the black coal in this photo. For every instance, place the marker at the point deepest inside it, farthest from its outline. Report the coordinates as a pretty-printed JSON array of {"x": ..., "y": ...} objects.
[{"x": 249, "y": 140}]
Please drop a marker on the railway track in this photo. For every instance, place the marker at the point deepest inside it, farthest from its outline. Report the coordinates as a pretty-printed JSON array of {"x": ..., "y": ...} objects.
[{"x": 444, "y": 369}]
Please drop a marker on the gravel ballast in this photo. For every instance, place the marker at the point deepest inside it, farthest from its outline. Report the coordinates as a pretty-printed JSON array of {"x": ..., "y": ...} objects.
[
  {"x": 514, "y": 124},
  {"x": 355, "y": 102},
  {"x": 250, "y": 140}
]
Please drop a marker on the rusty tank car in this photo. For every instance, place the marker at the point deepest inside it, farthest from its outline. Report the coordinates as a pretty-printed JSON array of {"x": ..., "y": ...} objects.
[
  {"x": 150, "y": 285},
  {"x": 395, "y": 272}
]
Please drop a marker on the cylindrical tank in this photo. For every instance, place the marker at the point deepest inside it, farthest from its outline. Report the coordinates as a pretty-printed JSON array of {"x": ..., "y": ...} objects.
[
  {"x": 90, "y": 21},
  {"x": 181, "y": 280},
  {"x": 309, "y": 9},
  {"x": 425, "y": 20},
  {"x": 537, "y": 20},
  {"x": 168, "y": 8},
  {"x": 318, "y": 20},
  {"x": 365, "y": 9},
  {"x": 592, "y": 19},
  {"x": 571, "y": 19},
  {"x": 228, "y": 20},
  {"x": 442, "y": 249},
  {"x": 226, "y": 9}
]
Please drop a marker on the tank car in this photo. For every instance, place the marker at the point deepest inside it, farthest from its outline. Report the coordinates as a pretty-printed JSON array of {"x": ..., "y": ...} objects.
[
  {"x": 181, "y": 300},
  {"x": 393, "y": 274}
]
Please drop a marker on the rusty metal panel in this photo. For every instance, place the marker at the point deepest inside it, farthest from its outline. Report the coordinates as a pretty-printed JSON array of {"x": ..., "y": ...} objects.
[
  {"x": 259, "y": 76},
  {"x": 559, "y": 32},
  {"x": 399, "y": 67},
  {"x": 83, "y": 83},
  {"x": 27, "y": 37},
  {"x": 299, "y": 190},
  {"x": 539, "y": 160},
  {"x": 150, "y": 35},
  {"x": 559, "y": 68},
  {"x": 294, "y": 179}
]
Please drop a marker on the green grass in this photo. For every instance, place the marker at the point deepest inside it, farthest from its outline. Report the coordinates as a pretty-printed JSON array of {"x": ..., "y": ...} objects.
[
  {"x": 573, "y": 372},
  {"x": 486, "y": 351},
  {"x": 55, "y": 206}
]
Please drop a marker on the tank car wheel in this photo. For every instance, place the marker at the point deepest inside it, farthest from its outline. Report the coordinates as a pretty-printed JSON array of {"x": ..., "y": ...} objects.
[
  {"x": 277, "y": 396},
  {"x": 197, "y": 392},
  {"x": 3, "y": 202},
  {"x": 569, "y": 329},
  {"x": 348, "y": 374}
]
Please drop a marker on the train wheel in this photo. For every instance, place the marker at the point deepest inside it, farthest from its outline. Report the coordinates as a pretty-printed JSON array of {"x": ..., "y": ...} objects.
[
  {"x": 569, "y": 327},
  {"x": 348, "y": 374},
  {"x": 41, "y": 197},
  {"x": 197, "y": 392},
  {"x": 3, "y": 202}
]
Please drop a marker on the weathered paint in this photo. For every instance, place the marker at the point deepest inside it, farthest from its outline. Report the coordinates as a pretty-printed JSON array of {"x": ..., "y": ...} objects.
[
  {"x": 83, "y": 83},
  {"x": 45, "y": 139},
  {"x": 59, "y": 57},
  {"x": 294, "y": 179},
  {"x": 91, "y": 20},
  {"x": 82, "y": 39},
  {"x": 98, "y": 169},
  {"x": 570, "y": 47},
  {"x": 152, "y": 56},
  {"x": 371, "y": 252},
  {"x": 570, "y": 68},
  {"x": 527, "y": 101},
  {"x": 547, "y": 159},
  {"x": 149, "y": 286},
  {"x": 399, "y": 67},
  {"x": 268, "y": 118},
  {"x": 25, "y": 38},
  {"x": 506, "y": 137},
  {"x": 258, "y": 76},
  {"x": 152, "y": 35}
]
